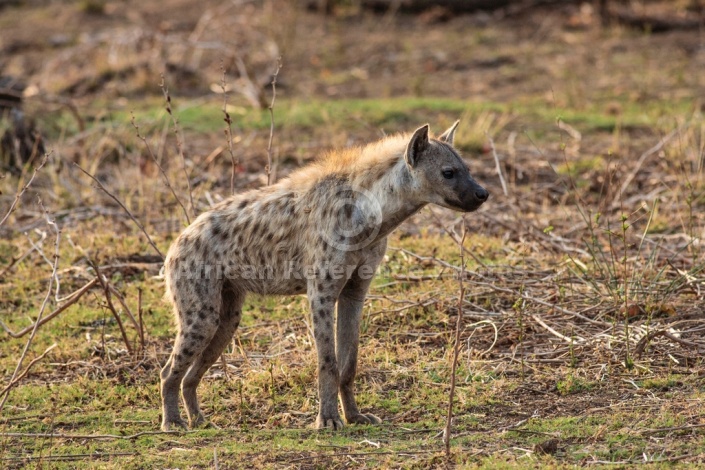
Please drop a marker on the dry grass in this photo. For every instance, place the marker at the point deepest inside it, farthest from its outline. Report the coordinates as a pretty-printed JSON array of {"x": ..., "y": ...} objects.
[{"x": 582, "y": 332}]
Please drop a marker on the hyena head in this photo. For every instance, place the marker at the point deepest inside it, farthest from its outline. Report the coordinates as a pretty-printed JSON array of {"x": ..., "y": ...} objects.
[{"x": 440, "y": 175}]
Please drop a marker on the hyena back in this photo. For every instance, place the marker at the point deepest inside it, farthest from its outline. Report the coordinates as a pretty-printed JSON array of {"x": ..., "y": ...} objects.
[{"x": 322, "y": 231}]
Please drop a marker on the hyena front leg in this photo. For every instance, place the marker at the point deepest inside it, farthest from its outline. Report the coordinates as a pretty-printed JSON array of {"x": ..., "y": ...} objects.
[
  {"x": 322, "y": 295},
  {"x": 350, "y": 303}
]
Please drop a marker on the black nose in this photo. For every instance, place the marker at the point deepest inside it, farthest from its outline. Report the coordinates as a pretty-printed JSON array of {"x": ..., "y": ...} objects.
[{"x": 482, "y": 194}]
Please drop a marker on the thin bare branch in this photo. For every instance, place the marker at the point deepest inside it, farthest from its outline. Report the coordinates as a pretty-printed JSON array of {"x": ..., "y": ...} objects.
[
  {"x": 456, "y": 346},
  {"x": 52, "y": 223},
  {"x": 453, "y": 235},
  {"x": 66, "y": 457},
  {"x": 114, "y": 198},
  {"x": 179, "y": 142},
  {"x": 686, "y": 427},
  {"x": 271, "y": 118},
  {"x": 26, "y": 371},
  {"x": 167, "y": 183},
  {"x": 228, "y": 130},
  {"x": 24, "y": 188},
  {"x": 72, "y": 299},
  {"x": 497, "y": 165},
  {"x": 101, "y": 437},
  {"x": 139, "y": 316},
  {"x": 643, "y": 342},
  {"x": 568, "y": 340},
  {"x": 632, "y": 174},
  {"x": 122, "y": 301},
  {"x": 108, "y": 298}
]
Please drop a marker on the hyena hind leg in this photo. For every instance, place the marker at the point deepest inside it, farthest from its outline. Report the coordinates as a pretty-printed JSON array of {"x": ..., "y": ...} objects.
[
  {"x": 230, "y": 314},
  {"x": 198, "y": 323}
]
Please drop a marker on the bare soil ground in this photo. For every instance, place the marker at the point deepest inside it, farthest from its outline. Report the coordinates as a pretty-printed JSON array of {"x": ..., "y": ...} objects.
[{"x": 583, "y": 311}]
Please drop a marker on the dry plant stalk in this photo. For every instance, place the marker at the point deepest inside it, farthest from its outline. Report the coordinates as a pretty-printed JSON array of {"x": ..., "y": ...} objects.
[
  {"x": 122, "y": 301},
  {"x": 179, "y": 142},
  {"x": 108, "y": 298},
  {"x": 497, "y": 164},
  {"x": 161, "y": 169},
  {"x": 139, "y": 313},
  {"x": 27, "y": 369},
  {"x": 28, "y": 344},
  {"x": 271, "y": 119},
  {"x": 114, "y": 198},
  {"x": 228, "y": 130},
  {"x": 38, "y": 248},
  {"x": 98, "y": 437},
  {"x": 643, "y": 342},
  {"x": 640, "y": 162},
  {"x": 70, "y": 300},
  {"x": 456, "y": 346},
  {"x": 24, "y": 188}
]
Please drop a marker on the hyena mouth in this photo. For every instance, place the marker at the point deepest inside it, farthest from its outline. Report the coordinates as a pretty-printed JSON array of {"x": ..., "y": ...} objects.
[{"x": 460, "y": 206}]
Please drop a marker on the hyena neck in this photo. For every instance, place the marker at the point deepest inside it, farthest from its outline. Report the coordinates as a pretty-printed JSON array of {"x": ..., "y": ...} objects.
[{"x": 396, "y": 196}]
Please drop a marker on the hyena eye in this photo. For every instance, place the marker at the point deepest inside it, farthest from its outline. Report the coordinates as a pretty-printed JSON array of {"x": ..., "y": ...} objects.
[{"x": 448, "y": 174}]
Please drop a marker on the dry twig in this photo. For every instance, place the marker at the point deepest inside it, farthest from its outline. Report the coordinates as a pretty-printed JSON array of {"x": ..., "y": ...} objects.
[
  {"x": 675, "y": 428},
  {"x": 271, "y": 117},
  {"x": 179, "y": 142},
  {"x": 24, "y": 188},
  {"x": 108, "y": 298},
  {"x": 456, "y": 346},
  {"x": 167, "y": 183},
  {"x": 139, "y": 313},
  {"x": 655, "y": 149},
  {"x": 122, "y": 301},
  {"x": 28, "y": 344},
  {"x": 643, "y": 342},
  {"x": 228, "y": 130},
  {"x": 67, "y": 457},
  {"x": 91, "y": 436},
  {"x": 26, "y": 371},
  {"x": 538, "y": 320},
  {"x": 70, "y": 300},
  {"x": 497, "y": 165},
  {"x": 114, "y": 198}
]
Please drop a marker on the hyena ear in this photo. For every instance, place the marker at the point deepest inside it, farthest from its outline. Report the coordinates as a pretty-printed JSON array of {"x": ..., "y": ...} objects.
[
  {"x": 449, "y": 135},
  {"x": 417, "y": 145}
]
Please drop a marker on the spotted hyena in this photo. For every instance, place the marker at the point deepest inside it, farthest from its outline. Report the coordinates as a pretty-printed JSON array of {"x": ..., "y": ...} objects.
[{"x": 322, "y": 231}]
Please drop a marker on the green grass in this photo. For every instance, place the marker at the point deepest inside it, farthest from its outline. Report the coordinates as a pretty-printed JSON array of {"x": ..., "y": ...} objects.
[
  {"x": 519, "y": 383},
  {"x": 265, "y": 403},
  {"x": 269, "y": 403},
  {"x": 534, "y": 116},
  {"x": 572, "y": 384}
]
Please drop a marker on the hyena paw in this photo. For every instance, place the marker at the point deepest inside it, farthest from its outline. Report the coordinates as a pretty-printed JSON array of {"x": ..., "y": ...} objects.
[
  {"x": 329, "y": 422},
  {"x": 363, "y": 418},
  {"x": 174, "y": 424},
  {"x": 198, "y": 421}
]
